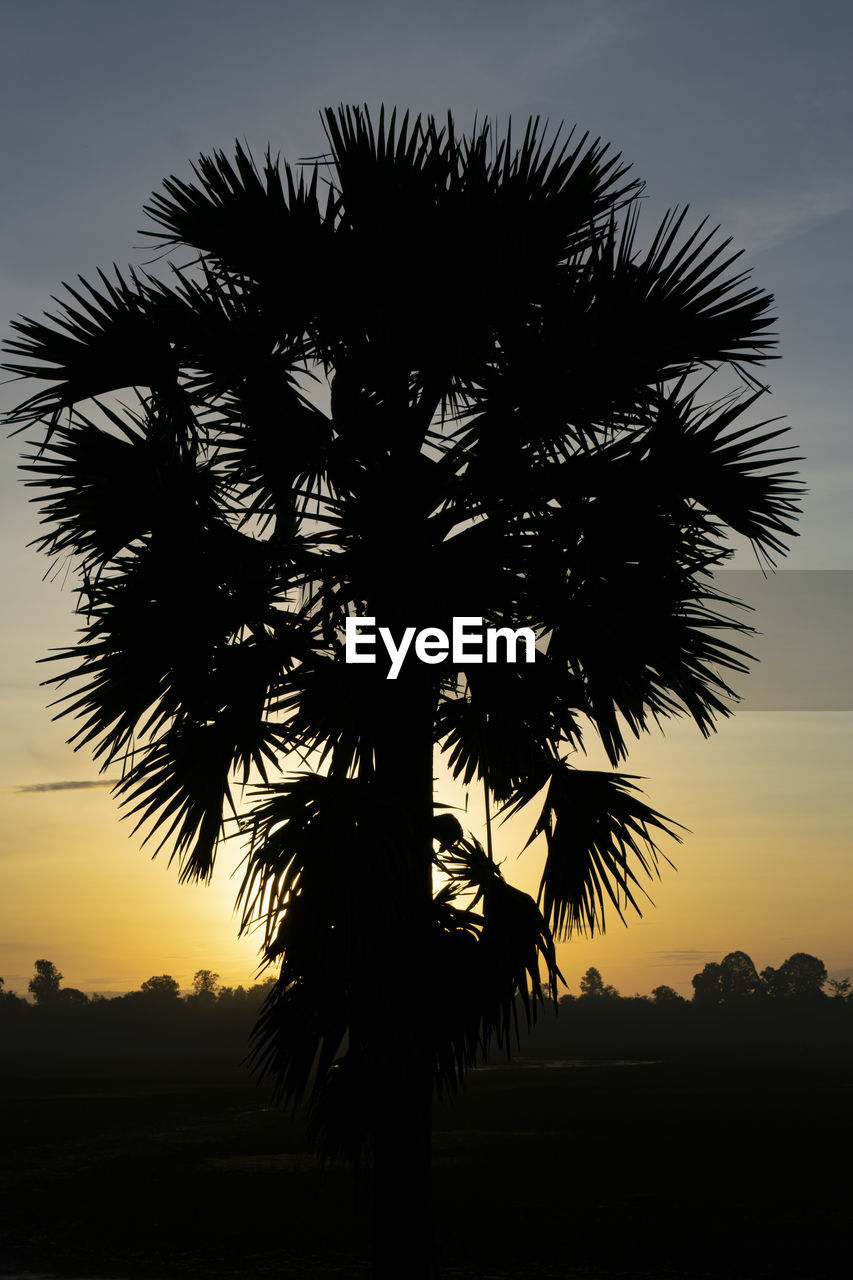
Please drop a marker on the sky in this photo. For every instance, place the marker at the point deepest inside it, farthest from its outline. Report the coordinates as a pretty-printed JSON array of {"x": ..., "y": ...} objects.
[{"x": 742, "y": 110}]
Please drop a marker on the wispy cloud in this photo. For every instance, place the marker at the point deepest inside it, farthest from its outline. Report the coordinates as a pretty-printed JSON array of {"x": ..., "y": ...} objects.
[
  {"x": 32, "y": 788},
  {"x": 683, "y": 957},
  {"x": 768, "y": 220}
]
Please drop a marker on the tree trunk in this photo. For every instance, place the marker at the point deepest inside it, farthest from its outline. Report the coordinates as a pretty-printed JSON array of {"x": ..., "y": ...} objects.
[{"x": 400, "y": 1057}]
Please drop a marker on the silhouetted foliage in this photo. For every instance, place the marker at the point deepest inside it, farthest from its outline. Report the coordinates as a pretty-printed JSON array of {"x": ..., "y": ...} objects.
[
  {"x": 734, "y": 978},
  {"x": 739, "y": 978},
  {"x": 707, "y": 987},
  {"x": 205, "y": 984},
  {"x": 515, "y": 432},
  {"x": 137, "y": 1035},
  {"x": 44, "y": 986},
  {"x": 161, "y": 987},
  {"x": 8, "y": 999},
  {"x": 664, "y": 995},
  {"x": 592, "y": 986},
  {"x": 800, "y": 977},
  {"x": 71, "y": 995}
]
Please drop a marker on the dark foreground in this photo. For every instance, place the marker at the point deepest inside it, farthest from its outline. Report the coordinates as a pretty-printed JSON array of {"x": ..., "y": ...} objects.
[{"x": 695, "y": 1166}]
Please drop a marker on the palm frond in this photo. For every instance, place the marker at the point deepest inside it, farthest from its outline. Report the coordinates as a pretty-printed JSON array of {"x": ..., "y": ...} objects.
[
  {"x": 679, "y": 304},
  {"x": 737, "y": 473},
  {"x": 116, "y": 336},
  {"x": 599, "y": 834},
  {"x": 184, "y": 649},
  {"x": 101, "y": 490},
  {"x": 500, "y": 726},
  {"x": 335, "y": 833},
  {"x": 325, "y": 879},
  {"x": 179, "y": 787},
  {"x": 492, "y": 962},
  {"x": 620, "y": 578},
  {"x": 250, "y": 223}
]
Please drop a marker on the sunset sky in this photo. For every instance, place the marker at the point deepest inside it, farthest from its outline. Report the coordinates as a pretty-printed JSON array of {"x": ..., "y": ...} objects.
[{"x": 743, "y": 110}]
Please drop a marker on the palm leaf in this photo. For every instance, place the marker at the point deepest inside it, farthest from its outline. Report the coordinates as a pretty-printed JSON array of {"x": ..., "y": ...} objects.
[
  {"x": 599, "y": 834},
  {"x": 499, "y": 725},
  {"x": 116, "y": 336},
  {"x": 503, "y": 949},
  {"x": 702, "y": 452},
  {"x": 325, "y": 880},
  {"x": 101, "y": 490}
]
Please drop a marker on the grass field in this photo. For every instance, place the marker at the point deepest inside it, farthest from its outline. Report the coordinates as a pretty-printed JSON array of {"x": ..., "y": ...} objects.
[{"x": 693, "y": 1165}]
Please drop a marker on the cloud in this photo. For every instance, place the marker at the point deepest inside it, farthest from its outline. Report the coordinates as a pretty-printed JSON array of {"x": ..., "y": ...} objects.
[
  {"x": 683, "y": 957},
  {"x": 767, "y": 221},
  {"x": 32, "y": 788}
]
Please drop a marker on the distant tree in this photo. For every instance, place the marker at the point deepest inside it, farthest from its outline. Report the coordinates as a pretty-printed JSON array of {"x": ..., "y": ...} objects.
[
  {"x": 739, "y": 978},
  {"x": 71, "y": 995},
  {"x": 800, "y": 977},
  {"x": 840, "y": 988},
  {"x": 44, "y": 986},
  {"x": 204, "y": 984},
  {"x": 163, "y": 986},
  {"x": 706, "y": 985},
  {"x": 666, "y": 995},
  {"x": 735, "y": 978},
  {"x": 592, "y": 984},
  {"x": 9, "y": 1000},
  {"x": 231, "y": 995}
]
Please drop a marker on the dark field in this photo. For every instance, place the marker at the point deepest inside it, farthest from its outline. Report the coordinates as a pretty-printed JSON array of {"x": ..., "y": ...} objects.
[{"x": 732, "y": 1165}]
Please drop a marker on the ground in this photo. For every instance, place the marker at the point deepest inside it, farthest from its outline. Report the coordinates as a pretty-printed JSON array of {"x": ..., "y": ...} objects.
[{"x": 691, "y": 1165}]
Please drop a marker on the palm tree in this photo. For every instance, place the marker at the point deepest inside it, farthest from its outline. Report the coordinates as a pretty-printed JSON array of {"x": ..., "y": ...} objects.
[{"x": 424, "y": 376}]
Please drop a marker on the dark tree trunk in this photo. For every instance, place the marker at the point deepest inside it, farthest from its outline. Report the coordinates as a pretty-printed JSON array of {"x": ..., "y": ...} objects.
[{"x": 400, "y": 1065}]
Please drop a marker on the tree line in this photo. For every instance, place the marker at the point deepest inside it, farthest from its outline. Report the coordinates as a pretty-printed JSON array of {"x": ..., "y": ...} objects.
[
  {"x": 152, "y": 1032},
  {"x": 735, "y": 979},
  {"x": 158, "y": 1031},
  {"x": 45, "y": 987}
]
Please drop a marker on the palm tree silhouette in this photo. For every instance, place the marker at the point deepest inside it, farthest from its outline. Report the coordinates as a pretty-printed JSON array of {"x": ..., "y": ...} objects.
[{"x": 424, "y": 376}]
